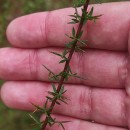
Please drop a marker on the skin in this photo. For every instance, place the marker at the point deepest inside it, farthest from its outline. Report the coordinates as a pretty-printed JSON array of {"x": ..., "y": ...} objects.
[{"x": 102, "y": 101}]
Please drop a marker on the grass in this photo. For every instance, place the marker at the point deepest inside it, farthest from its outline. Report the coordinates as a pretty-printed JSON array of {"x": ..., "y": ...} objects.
[
  {"x": 10, "y": 9},
  {"x": 13, "y": 119}
]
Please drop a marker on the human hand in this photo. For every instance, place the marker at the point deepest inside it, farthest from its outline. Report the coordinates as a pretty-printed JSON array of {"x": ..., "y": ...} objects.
[{"x": 101, "y": 98}]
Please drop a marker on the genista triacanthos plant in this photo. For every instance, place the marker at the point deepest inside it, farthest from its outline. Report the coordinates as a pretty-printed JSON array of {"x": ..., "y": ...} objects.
[{"x": 56, "y": 96}]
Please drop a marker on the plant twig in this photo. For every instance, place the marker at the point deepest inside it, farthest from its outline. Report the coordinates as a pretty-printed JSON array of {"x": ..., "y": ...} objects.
[
  {"x": 75, "y": 44},
  {"x": 67, "y": 63}
]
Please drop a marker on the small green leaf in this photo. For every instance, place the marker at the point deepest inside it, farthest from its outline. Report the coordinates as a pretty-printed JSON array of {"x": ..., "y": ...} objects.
[
  {"x": 71, "y": 22},
  {"x": 60, "y": 124},
  {"x": 36, "y": 120},
  {"x": 82, "y": 42},
  {"x": 38, "y": 107},
  {"x": 50, "y": 99},
  {"x": 64, "y": 53},
  {"x": 65, "y": 75},
  {"x": 80, "y": 34},
  {"x": 45, "y": 105},
  {"x": 63, "y": 101},
  {"x": 73, "y": 32},
  {"x": 75, "y": 20},
  {"x": 50, "y": 72},
  {"x": 52, "y": 75},
  {"x": 61, "y": 90},
  {"x": 62, "y": 61},
  {"x": 69, "y": 45},
  {"x": 64, "y": 91},
  {"x": 69, "y": 36},
  {"x": 75, "y": 75},
  {"x": 54, "y": 88},
  {"x": 96, "y": 17},
  {"x": 73, "y": 16},
  {"x": 51, "y": 121},
  {"x": 56, "y": 54},
  {"x": 52, "y": 93},
  {"x": 57, "y": 103},
  {"x": 69, "y": 69},
  {"x": 91, "y": 12},
  {"x": 79, "y": 49}
]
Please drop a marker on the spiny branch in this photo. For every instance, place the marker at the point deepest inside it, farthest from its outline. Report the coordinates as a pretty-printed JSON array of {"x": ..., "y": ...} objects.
[
  {"x": 67, "y": 63},
  {"x": 76, "y": 44}
]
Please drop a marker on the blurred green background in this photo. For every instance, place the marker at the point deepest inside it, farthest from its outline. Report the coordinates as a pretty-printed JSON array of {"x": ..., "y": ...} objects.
[{"x": 10, "y": 9}]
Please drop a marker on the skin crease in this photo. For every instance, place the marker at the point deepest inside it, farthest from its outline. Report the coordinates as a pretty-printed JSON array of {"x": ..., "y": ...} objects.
[{"x": 103, "y": 97}]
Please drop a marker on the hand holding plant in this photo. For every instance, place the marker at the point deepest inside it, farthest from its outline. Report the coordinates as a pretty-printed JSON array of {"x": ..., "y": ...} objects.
[{"x": 39, "y": 34}]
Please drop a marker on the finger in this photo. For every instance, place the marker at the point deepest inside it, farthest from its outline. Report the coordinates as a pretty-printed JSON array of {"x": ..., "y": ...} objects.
[
  {"x": 106, "y": 106},
  {"x": 127, "y": 85},
  {"x": 128, "y": 110},
  {"x": 77, "y": 124},
  {"x": 100, "y": 68},
  {"x": 49, "y": 28}
]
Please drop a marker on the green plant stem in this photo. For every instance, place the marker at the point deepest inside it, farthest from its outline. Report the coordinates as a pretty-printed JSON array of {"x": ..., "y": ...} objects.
[{"x": 67, "y": 64}]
